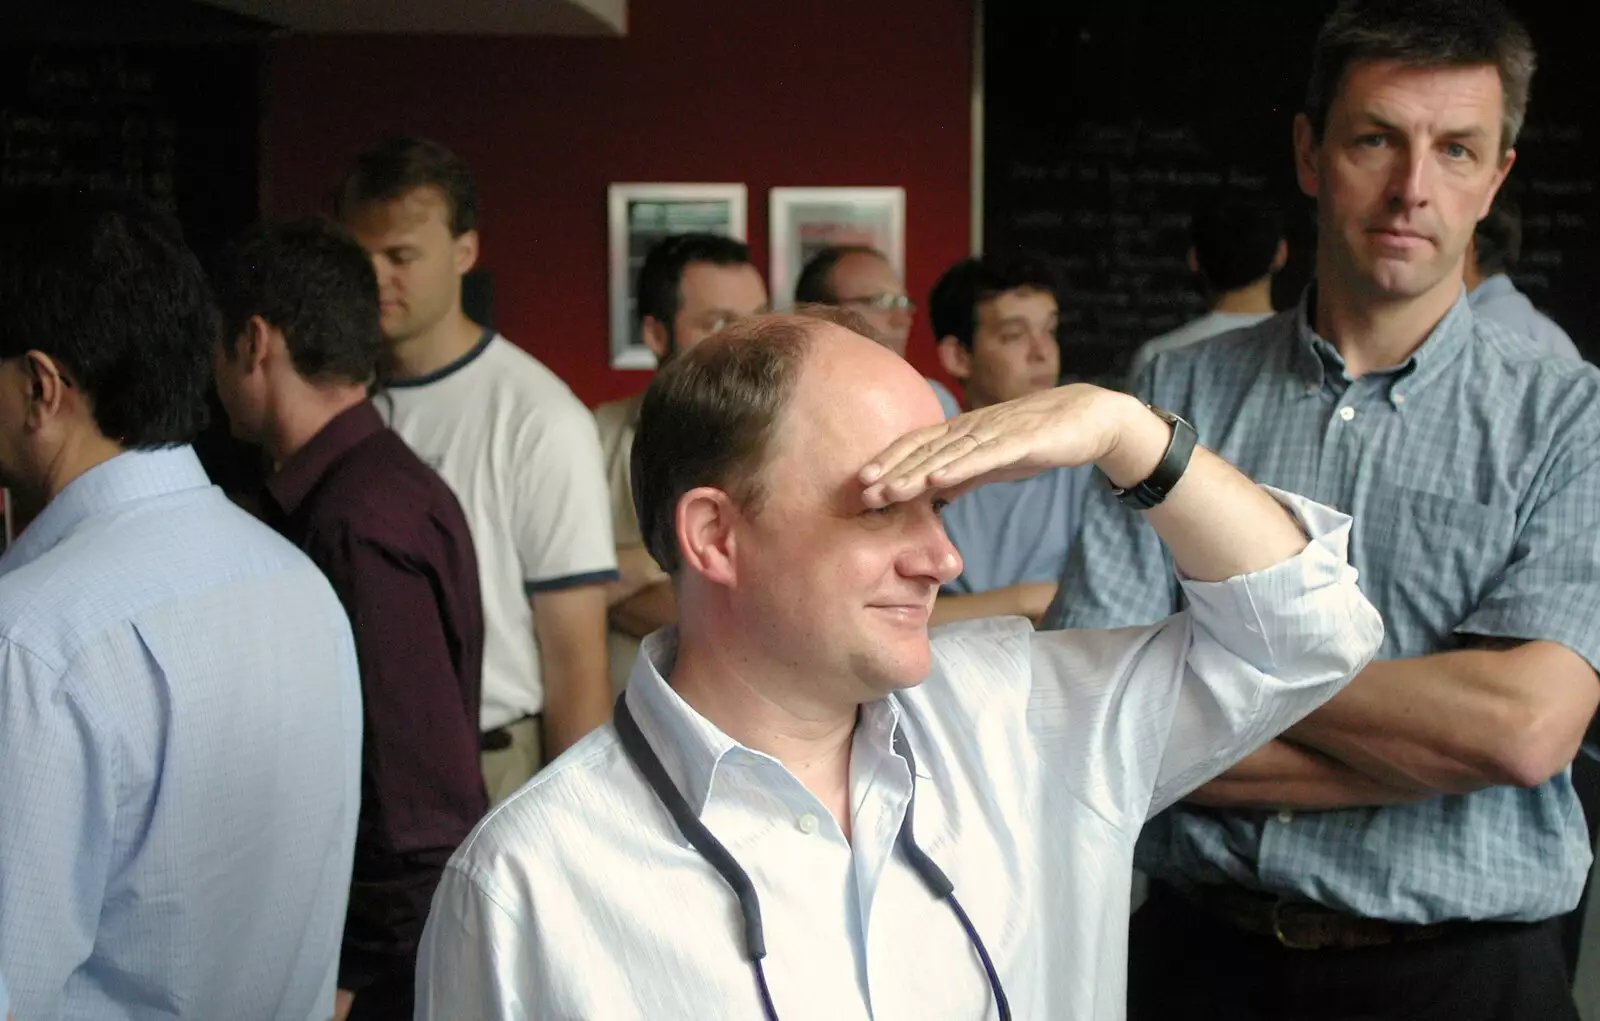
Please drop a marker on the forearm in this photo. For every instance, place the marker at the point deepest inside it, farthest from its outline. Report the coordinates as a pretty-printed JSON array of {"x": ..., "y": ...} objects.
[
  {"x": 570, "y": 626},
  {"x": 637, "y": 571},
  {"x": 389, "y": 901},
  {"x": 1216, "y": 522},
  {"x": 648, "y": 610},
  {"x": 1456, "y": 722},
  {"x": 1284, "y": 775},
  {"x": 1029, "y": 599}
]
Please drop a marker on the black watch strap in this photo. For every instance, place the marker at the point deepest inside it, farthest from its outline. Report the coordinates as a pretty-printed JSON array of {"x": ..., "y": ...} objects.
[{"x": 1174, "y": 463}]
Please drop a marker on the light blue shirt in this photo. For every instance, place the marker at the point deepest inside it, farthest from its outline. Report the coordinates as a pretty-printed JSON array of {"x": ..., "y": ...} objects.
[
  {"x": 1013, "y": 532},
  {"x": 1473, "y": 474},
  {"x": 1038, "y": 758},
  {"x": 180, "y": 737},
  {"x": 1498, "y": 298}
]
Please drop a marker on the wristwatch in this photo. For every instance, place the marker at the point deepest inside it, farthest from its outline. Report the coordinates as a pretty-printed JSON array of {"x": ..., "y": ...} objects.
[{"x": 1174, "y": 463}]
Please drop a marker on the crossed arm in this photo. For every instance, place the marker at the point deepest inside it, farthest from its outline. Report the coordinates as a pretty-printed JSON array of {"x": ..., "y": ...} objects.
[{"x": 1498, "y": 714}]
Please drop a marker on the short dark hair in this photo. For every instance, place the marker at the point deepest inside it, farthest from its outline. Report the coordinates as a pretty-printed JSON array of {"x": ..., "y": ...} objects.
[
  {"x": 1423, "y": 33},
  {"x": 1236, "y": 238},
  {"x": 1497, "y": 243},
  {"x": 660, "y": 278},
  {"x": 106, "y": 286},
  {"x": 708, "y": 418},
  {"x": 310, "y": 279},
  {"x": 815, "y": 286},
  {"x": 953, "y": 305},
  {"x": 401, "y": 164}
]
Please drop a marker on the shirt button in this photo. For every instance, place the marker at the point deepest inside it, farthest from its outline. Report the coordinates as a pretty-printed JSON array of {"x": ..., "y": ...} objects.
[
  {"x": 1284, "y": 815},
  {"x": 1398, "y": 398},
  {"x": 1347, "y": 412},
  {"x": 808, "y": 824}
]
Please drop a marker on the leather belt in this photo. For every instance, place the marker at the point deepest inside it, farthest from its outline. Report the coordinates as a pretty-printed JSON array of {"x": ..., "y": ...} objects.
[
  {"x": 1299, "y": 924},
  {"x": 499, "y": 739}
]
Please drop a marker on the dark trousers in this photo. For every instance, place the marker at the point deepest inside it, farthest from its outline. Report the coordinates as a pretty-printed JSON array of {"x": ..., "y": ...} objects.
[
  {"x": 391, "y": 997},
  {"x": 1186, "y": 965}
]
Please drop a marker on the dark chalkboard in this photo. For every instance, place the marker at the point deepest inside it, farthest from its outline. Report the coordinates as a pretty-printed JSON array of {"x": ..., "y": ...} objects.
[
  {"x": 1104, "y": 123},
  {"x": 176, "y": 123}
]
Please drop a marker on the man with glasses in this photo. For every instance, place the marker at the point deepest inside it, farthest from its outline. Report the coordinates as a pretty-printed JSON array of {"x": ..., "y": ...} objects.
[
  {"x": 690, "y": 286},
  {"x": 862, "y": 280},
  {"x": 996, "y": 320}
]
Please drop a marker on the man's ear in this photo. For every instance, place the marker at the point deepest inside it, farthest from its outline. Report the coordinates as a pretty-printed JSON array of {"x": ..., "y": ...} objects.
[
  {"x": 1192, "y": 260},
  {"x": 656, "y": 337},
  {"x": 704, "y": 523},
  {"x": 47, "y": 385},
  {"x": 955, "y": 358},
  {"x": 254, "y": 342},
  {"x": 1305, "y": 156},
  {"x": 466, "y": 252},
  {"x": 1280, "y": 258}
]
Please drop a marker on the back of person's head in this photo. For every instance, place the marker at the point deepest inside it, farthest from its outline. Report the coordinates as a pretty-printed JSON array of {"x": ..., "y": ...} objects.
[
  {"x": 953, "y": 305},
  {"x": 1236, "y": 239},
  {"x": 709, "y": 416},
  {"x": 1497, "y": 243},
  {"x": 106, "y": 287},
  {"x": 400, "y": 165},
  {"x": 1424, "y": 34},
  {"x": 815, "y": 286},
  {"x": 310, "y": 280},
  {"x": 662, "y": 273}
]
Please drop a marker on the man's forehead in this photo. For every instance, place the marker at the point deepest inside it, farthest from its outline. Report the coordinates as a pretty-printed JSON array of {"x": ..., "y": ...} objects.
[
  {"x": 730, "y": 285},
  {"x": 405, "y": 214},
  {"x": 1392, "y": 90},
  {"x": 867, "y": 267},
  {"x": 854, "y": 398},
  {"x": 1017, "y": 300}
]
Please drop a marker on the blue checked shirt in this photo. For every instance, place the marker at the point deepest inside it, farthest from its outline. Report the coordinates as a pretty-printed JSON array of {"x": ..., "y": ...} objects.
[
  {"x": 1472, "y": 472},
  {"x": 180, "y": 739}
]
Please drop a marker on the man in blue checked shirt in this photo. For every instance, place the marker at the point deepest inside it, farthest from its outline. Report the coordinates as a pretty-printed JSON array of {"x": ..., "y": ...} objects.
[{"x": 1401, "y": 852}]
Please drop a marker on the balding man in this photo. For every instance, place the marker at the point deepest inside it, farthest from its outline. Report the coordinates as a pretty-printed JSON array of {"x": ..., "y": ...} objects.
[
  {"x": 739, "y": 841},
  {"x": 862, "y": 280}
]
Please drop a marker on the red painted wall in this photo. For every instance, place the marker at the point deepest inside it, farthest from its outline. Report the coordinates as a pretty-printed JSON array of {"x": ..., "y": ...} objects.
[{"x": 770, "y": 93}]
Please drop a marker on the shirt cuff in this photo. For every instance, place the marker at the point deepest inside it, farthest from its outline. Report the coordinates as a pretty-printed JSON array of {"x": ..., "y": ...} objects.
[{"x": 1283, "y": 619}]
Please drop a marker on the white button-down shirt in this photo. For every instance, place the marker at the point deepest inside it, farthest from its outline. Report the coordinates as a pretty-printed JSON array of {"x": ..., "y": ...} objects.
[{"x": 1038, "y": 755}]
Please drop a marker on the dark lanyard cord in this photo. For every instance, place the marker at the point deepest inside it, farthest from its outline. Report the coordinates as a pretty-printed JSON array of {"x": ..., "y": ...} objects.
[{"x": 655, "y": 774}]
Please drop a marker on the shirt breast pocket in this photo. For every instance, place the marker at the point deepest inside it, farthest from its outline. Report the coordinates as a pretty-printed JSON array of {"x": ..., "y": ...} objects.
[{"x": 1427, "y": 561}]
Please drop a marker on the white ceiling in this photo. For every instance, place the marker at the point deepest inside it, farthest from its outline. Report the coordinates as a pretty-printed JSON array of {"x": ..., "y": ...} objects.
[{"x": 446, "y": 17}]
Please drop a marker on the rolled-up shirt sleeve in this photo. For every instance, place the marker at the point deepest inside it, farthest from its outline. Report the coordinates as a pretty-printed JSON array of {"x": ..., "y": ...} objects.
[{"x": 1167, "y": 707}]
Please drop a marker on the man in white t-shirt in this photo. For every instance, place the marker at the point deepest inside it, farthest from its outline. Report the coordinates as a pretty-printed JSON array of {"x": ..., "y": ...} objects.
[
  {"x": 517, "y": 447},
  {"x": 1237, "y": 246}
]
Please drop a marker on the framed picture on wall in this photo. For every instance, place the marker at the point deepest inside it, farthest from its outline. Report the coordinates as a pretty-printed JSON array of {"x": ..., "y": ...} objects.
[
  {"x": 803, "y": 221},
  {"x": 638, "y": 216}
]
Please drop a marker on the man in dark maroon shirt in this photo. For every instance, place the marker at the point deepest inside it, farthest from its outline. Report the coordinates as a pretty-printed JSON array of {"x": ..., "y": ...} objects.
[{"x": 301, "y": 343}]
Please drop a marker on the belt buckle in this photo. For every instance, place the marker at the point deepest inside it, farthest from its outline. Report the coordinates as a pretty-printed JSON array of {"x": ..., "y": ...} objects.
[{"x": 1277, "y": 928}]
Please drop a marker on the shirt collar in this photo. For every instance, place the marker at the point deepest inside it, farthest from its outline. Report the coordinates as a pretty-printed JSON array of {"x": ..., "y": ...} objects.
[
  {"x": 1312, "y": 356},
  {"x": 691, "y": 747},
  {"x": 291, "y": 483},
  {"x": 128, "y": 477},
  {"x": 1497, "y": 286}
]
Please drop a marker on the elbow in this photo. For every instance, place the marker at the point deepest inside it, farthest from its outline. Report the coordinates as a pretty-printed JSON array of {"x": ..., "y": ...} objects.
[{"x": 1534, "y": 748}]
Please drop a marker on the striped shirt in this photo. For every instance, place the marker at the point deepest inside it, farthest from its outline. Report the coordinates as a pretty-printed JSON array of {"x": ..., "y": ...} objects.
[
  {"x": 1473, "y": 474},
  {"x": 180, "y": 746}
]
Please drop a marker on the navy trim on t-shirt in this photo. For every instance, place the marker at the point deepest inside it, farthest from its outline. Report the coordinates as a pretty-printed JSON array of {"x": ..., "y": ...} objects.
[
  {"x": 440, "y": 373},
  {"x": 570, "y": 581}
]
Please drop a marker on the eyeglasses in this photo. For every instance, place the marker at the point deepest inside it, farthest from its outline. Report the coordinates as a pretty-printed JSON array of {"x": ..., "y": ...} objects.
[{"x": 884, "y": 302}]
